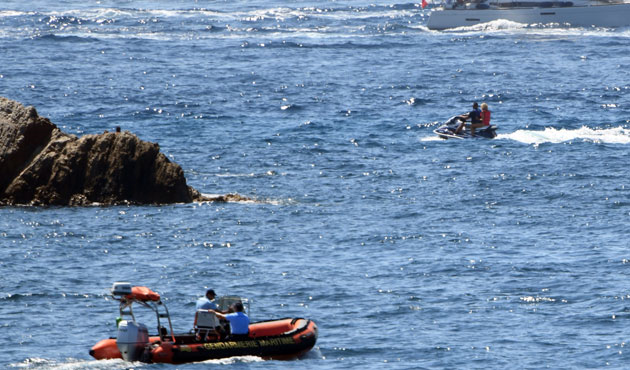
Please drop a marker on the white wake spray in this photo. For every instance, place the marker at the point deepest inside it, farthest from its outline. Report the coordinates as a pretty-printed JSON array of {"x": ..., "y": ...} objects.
[{"x": 617, "y": 135}]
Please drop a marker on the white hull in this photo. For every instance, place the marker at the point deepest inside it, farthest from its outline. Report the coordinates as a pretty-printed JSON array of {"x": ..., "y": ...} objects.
[{"x": 615, "y": 15}]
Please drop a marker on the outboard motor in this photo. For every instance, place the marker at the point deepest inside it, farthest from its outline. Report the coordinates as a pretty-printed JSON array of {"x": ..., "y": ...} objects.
[{"x": 132, "y": 340}]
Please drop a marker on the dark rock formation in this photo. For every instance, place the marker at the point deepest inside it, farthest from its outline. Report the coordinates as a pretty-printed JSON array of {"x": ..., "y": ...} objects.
[{"x": 40, "y": 165}]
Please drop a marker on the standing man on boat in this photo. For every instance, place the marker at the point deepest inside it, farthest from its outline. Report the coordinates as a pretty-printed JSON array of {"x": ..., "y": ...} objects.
[
  {"x": 239, "y": 322},
  {"x": 207, "y": 302},
  {"x": 474, "y": 116}
]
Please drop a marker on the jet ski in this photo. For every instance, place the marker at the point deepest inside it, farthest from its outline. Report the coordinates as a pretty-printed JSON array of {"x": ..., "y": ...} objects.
[{"x": 448, "y": 128}]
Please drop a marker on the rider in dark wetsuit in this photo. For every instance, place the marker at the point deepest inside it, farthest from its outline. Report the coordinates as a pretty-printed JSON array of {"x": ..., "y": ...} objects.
[{"x": 474, "y": 116}]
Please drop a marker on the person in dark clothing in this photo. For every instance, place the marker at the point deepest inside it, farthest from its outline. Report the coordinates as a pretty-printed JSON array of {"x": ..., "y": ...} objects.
[{"x": 474, "y": 116}]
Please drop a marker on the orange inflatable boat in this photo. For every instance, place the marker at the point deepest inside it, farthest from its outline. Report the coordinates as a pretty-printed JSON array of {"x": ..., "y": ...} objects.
[{"x": 282, "y": 339}]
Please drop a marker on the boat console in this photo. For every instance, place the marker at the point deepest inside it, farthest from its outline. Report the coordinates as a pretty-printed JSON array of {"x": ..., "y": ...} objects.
[{"x": 226, "y": 302}]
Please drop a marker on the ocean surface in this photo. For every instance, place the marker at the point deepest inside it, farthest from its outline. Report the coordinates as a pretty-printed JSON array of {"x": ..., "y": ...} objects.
[{"x": 408, "y": 251}]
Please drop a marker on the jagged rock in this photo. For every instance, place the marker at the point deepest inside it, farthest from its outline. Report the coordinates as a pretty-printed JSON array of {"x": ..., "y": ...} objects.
[{"x": 41, "y": 165}]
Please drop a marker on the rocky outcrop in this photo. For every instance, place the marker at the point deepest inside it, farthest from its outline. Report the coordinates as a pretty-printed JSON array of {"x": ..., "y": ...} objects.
[{"x": 41, "y": 165}]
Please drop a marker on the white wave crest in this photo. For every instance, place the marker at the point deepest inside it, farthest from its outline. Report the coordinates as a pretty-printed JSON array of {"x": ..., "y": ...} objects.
[
  {"x": 432, "y": 138},
  {"x": 542, "y": 30},
  {"x": 74, "y": 364},
  {"x": 617, "y": 135},
  {"x": 232, "y": 360},
  {"x": 11, "y": 13},
  {"x": 496, "y": 25}
]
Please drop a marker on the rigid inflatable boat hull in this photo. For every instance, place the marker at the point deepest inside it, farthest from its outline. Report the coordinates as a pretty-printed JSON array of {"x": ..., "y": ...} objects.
[{"x": 283, "y": 339}]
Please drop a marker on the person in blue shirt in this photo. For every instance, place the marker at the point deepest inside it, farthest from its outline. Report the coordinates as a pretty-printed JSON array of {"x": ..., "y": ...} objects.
[
  {"x": 474, "y": 116},
  {"x": 207, "y": 302},
  {"x": 239, "y": 322}
]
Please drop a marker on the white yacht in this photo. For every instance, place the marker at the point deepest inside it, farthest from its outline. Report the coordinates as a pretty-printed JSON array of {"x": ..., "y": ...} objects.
[{"x": 574, "y": 13}]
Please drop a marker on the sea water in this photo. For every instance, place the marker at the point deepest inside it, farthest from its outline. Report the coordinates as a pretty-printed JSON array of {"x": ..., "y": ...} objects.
[{"x": 408, "y": 251}]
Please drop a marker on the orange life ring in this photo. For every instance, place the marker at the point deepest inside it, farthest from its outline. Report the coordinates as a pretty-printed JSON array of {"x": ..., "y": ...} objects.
[{"x": 142, "y": 293}]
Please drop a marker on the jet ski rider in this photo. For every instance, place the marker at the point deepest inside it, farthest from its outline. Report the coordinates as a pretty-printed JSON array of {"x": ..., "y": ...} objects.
[
  {"x": 485, "y": 118},
  {"x": 475, "y": 119}
]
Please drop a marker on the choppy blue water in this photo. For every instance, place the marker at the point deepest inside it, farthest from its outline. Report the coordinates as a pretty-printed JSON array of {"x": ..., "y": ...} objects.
[{"x": 408, "y": 251}]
